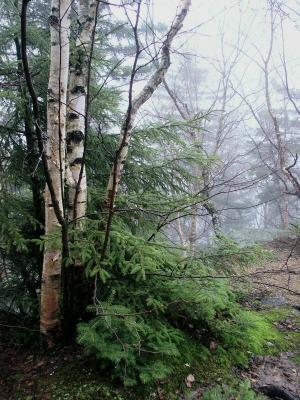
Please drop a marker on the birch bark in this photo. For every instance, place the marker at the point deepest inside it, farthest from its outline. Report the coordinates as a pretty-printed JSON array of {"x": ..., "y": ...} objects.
[
  {"x": 138, "y": 101},
  {"x": 77, "y": 110},
  {"x": 55, "y": 153}
]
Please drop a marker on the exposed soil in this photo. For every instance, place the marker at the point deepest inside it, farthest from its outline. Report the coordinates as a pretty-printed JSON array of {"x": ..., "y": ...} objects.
[
  {"x": 280, "y": 278},
  {"x": 21, "y": 369},
  {"x": 277, "y": 371},
  {"x": 277, "y": 284}
]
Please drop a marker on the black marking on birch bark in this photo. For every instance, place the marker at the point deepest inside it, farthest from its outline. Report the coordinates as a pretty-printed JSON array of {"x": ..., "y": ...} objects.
[
  {"x": 77, "y": 161},
  {"x": 53, "y": 20},
  {"x": 54, "y": 10},
  {"x": 73, "y": 115},
  {"x": 50, "y": 94},
  {"x": 75, "y": 136},
  {"x": 78, "y": 89}
]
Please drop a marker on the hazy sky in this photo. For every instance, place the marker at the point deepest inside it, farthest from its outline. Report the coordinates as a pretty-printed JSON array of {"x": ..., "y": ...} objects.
[
  {"x": 242, "y": 24},
  {"x": 230, "y": 16}
]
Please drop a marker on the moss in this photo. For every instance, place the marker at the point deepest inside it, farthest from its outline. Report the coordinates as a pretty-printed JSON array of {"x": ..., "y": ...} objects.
[
  {"x": 240, "y": 390},
  {"x": 287, "y": 339}
]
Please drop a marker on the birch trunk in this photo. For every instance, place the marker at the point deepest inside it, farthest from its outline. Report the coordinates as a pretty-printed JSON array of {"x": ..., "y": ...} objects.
[
  {"x": 193, "y": 233},
  {"x": 77, "y": 110},
  {"x": 284, "y": 210},
  {"x": 55, "y": 152},
  {"x": 141, "y": 98}
]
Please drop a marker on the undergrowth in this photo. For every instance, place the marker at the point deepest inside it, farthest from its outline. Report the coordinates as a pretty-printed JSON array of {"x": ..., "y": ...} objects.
[
  {"x": 240, "y": 391},
  {"x": 152, "y": 305},
  {"x": 288, "y": 337}
]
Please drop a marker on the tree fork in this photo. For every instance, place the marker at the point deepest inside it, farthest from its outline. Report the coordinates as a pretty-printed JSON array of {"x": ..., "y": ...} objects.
[{"x": 134, "y": 104}]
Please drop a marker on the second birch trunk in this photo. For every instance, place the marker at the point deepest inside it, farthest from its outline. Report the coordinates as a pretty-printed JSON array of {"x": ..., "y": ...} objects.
[{"x": 77, "y": 111}]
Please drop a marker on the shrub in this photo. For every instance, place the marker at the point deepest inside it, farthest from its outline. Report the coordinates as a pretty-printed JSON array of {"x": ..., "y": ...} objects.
[{"x": 152, "y": 304}]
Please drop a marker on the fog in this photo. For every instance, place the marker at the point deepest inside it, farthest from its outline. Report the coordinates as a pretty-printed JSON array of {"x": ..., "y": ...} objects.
[{"x": 238, "y": 61}]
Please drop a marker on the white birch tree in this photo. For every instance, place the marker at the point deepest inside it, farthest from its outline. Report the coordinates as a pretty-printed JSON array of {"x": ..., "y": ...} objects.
[
  {"x": 77, "y": 123},
  {"x": 55, "y": 152}
]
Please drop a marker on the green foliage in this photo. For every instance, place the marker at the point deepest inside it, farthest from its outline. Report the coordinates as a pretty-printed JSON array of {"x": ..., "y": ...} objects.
[
  {"x": 154, "y": 310},
  {"x": 20, "y": 258},
  {"x": 287, "y": 340},
  {"x": 241, "y": 392},
  {"x": 231, "y": 256},
  {"x": 130, "y": 343},
  {"x": 249, "y": 334},
  {"x": 151, "y": 304}
]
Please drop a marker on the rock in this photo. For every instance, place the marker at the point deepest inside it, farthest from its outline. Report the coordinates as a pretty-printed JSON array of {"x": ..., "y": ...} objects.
[
  {"x": 277, "y": 392},
  {"x": 273, "y": 301}
]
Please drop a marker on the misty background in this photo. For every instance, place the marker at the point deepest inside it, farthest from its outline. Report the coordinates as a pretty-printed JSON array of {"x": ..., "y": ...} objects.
[{"x": 237, "y": 64}]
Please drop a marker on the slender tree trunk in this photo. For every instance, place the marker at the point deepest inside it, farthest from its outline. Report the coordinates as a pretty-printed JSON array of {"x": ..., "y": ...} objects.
[
  {"x": 280, "y": 146},
  {"x": 266, "y": 215},
  {"x": 199, "y": 172},
  {"x": 139, "y": 100},
  {"x": 55, "y": 152},
  {"x": 76, "y": 286},
  {"x": 209, "y": 205},
  {"x": 181, "y": 235},
  {"x": 134, "y": 105},
  {"x": 193, "y": 233},
  {"x": 77, "y": 110},
  {"x": 284, "y": 209}
]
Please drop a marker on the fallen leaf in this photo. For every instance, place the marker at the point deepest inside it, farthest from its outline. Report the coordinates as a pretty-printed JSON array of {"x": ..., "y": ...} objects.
[{"x": 189, "y": 380}]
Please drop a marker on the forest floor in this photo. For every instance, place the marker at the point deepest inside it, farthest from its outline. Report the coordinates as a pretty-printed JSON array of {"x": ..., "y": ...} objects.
[
  {"x": 27, "y": 373},
  {"x": 280, "y": 278},
  {"x": 276, "y": 291}
]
